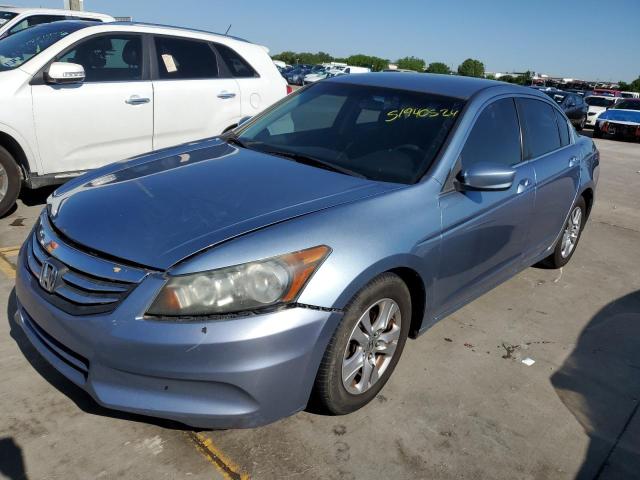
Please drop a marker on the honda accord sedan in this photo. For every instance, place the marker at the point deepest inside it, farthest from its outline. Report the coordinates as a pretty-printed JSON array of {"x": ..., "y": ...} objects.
[{"x": 232, "y": 281}]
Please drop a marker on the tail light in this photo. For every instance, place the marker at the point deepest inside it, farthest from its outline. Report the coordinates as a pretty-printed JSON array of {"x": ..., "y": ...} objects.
[
  {"x": 289, "y": 89},
  {"x": 605, "y": 127}
]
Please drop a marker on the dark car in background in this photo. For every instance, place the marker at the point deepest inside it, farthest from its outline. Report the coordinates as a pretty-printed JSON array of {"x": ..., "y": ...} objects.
[{"x": 573, "y": 105}]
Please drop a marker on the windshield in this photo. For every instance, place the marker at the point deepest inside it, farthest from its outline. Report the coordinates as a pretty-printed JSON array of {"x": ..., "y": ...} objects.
[
  {"x": 379, "y": 133},
  {"x": 21, "y": 47},
  {"x": 628, "y": 105},
  {"x": 6, "y": 16},
  {"x": 558, "y": 97},
  {"x": 600, "y": 102}
]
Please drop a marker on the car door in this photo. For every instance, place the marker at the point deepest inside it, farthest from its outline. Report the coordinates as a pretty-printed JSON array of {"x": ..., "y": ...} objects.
[
  {"x": 556, "y": 161},
  {"x": 484, "y": 232},
  {"x": 192, "y": 100},
  {"x": 106, "y": 118}
]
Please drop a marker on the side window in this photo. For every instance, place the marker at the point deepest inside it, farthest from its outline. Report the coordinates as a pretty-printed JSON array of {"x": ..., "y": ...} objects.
[
  {"x": 108, "y": 58},
  {"x": 182, "y": 59},
  {"x": 563, "y": 126},
  {"x": 35, "y": 20},
  {"x": 237, "y": 65},
  {"x": 539, "y": 127},
  {"x": 495, "y": 137}
]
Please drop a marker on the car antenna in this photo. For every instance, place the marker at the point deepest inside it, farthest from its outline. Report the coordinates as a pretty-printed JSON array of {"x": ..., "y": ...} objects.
[{"x": 229, "y": 28}]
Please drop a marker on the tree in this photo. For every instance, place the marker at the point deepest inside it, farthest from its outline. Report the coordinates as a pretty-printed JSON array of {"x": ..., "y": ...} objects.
[
  {"x": 374, "y": 63},
  {"x": 438, "y": 67},
  {"x": 287, "y": 57},
  {"x": 411, "y": 63},
  {"x": 507, "y": 78},
  {"x": 471, "y": 68}
]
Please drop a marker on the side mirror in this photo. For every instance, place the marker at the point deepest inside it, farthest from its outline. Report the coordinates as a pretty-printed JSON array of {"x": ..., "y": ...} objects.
[
  {"x": 62, "y": 73},
  {"x": 243, "y": 120},
  {"x": 485, "y": 176}
]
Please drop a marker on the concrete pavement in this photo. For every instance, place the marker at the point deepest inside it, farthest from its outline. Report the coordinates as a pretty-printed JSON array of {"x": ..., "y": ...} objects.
[{"x": 461, "y": 403}]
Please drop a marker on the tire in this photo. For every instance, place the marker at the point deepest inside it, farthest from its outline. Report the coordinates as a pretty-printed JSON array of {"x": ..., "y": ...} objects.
[
  {"x": 10, "y": 181},
  {"x": 581, "y": 125},
  {"x": 597, "y": 133},
  {"x": 385, "y": 293},
  {"x": 560, "y": 256}
]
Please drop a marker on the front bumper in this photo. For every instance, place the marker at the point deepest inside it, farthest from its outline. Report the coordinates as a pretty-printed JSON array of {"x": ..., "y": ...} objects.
[{"x": 236, "y": 373}]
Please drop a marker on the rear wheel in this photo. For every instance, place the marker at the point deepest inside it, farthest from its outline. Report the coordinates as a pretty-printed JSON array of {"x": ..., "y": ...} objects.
[
  {"x": 366, "y": 346},
  {"x": 10, "y": 181},
  {"x": 582, "y": 123},
  {"x": 566, "y": 245},
  {"x": 597, "y": 133}
]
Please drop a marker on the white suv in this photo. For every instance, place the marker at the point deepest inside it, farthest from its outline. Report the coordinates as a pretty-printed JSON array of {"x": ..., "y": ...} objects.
[
  {"x": 14, "y": 20},
  {"x": 75, "y": 95}
]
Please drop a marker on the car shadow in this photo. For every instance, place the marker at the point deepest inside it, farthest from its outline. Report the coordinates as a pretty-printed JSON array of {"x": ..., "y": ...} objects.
[
  {"x": 600, "y": 385},
  {"x": 81, "y": 398},
  {"x": 11, "y": 460},
  {"x": 33, "y": 198}
]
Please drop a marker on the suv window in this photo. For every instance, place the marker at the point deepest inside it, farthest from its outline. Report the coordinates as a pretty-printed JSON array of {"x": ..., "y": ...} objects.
[
  {"x": 181, "y": 59},
  {"x": 563, "y": 127},
  {"x": 539, "y": 127},
  {"x": 108, "y": 58},
  {"x": 237, "y": 65},
  {"x": 35, "y": 20},
  {"x": 495, "y": 137}
]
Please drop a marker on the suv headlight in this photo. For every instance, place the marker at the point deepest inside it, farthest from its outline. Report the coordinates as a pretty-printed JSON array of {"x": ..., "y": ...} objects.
[{"x": 249, "y": 286}]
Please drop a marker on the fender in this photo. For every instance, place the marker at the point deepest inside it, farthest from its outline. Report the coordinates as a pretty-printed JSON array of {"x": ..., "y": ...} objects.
[{"x": 33, "y": 160}]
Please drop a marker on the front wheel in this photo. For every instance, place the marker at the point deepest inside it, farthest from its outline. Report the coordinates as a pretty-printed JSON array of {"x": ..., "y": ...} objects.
[
  {"x": 566, "y": 245},
  {"x": 10, "y": 181},
  {"x": 365, "y": 347}
]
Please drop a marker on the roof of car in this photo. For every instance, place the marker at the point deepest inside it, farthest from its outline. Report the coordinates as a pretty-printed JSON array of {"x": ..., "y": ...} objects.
[
  {"x": 173, "y": 27},
  {"x": 52, "y": 11},
  {"x": 449, "y": 85}
]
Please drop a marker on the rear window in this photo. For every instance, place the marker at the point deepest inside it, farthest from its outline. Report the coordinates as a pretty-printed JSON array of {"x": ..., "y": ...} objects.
[
  {"x": 628, "y": 105},
  {"x": 539, "y": 126},
  {"x": 237, "y": 65},
  {"x": 600, "y": 102},
  {"x": 380, "y": 133}
]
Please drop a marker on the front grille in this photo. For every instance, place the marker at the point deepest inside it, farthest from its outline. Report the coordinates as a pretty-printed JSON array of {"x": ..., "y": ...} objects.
[{"x": 81, "y": 287}]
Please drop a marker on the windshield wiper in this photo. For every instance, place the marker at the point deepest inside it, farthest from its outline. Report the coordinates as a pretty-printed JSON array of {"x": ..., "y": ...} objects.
[{"x": 314, "y": 162}]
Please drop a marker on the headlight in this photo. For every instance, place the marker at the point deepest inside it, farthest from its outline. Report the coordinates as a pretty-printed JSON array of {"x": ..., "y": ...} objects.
[{"x": 249, "y": 286}]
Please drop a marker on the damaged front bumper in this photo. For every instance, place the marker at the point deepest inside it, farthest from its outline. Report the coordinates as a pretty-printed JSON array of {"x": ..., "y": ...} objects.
[{"x": 232, "y": 373}]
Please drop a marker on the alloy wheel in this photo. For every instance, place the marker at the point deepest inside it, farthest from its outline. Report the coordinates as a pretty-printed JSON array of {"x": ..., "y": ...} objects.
[
  {"x": 4, "y": 182},
  {"x": 371, "y": 346},
  {"x": 571, "y": 232}
]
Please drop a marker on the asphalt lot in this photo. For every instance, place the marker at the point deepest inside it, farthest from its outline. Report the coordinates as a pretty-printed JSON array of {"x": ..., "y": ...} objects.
[{"x": 461, "y": 403}]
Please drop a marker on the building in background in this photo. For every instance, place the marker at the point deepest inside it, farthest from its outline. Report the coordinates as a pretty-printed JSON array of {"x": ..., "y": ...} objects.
[{"x": 74, "y": 5}]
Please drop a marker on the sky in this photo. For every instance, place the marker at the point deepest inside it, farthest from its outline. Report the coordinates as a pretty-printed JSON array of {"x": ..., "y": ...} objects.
[{"x": 585, "y": 39}]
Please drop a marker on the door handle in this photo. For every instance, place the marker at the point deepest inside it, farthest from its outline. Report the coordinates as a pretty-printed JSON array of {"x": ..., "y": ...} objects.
[
  {"x": 524, "y": 185},
  {"x": 573, "y": 161},
  {"x": 225, "y": 95},
  {"x": 137, "y": 100}
]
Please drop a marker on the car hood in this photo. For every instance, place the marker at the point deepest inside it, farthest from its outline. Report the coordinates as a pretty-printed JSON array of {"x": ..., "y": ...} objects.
[
  {"x": 158, "y": 209},
  {"x": 627, "y": 117}
]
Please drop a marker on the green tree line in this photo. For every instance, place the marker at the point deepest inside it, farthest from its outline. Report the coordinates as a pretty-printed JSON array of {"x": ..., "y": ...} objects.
[{"x": 470, "y": 67}]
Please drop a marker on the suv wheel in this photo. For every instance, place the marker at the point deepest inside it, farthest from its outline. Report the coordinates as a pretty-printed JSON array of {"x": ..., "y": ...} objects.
[
  {"x": 366, "y": 346},
  {"x": 10, "y": 181}
]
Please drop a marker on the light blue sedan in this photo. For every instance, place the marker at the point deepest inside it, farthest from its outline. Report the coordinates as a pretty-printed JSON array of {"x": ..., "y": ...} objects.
[{"x": 229, "y": 282}]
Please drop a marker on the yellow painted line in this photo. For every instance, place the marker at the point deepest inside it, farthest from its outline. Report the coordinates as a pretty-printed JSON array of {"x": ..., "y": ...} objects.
[
  {"x": 229, "y": 469},
  {"x": 7, "y": 267},
  {"x": 9, "y": 250}
]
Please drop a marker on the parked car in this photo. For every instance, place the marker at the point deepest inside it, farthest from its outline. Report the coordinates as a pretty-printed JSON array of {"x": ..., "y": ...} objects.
[
  {"x": 77, "y": 95},
  {"x": 227, "y": 281},
  {"x": 322, "y": 74},
  {"x": 630, "y": 94},
  {"x": 622, "y": 121},
  {"x": 14, "y": 20},
  {"x": 296, "y": 76},
  {"x": 573, "y": 105},
  {"x": 598, "y": 104}
]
